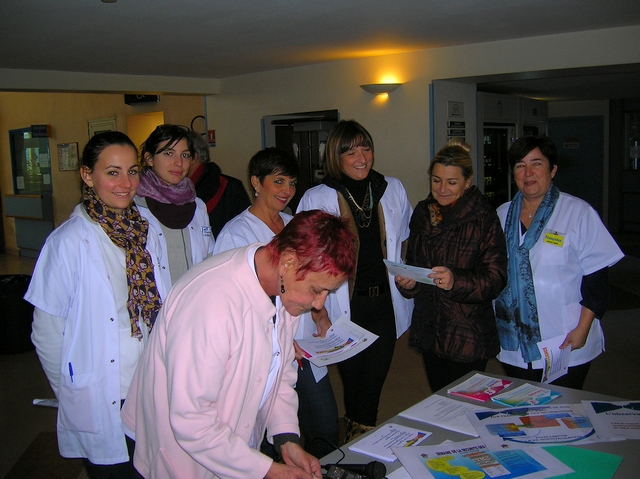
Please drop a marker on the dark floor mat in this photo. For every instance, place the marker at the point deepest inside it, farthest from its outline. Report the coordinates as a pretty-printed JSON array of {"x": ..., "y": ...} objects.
[{"x": 42, "y": 460}]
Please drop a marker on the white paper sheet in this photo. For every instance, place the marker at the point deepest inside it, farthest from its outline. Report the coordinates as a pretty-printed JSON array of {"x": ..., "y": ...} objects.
[
  {"x": 378, "y": 444},
  {"x": 619, "y": 419},
  {"x": 343, "y": 340},
  {"x": 413, "y": 272},
  {"x": 444, "y": 412}
]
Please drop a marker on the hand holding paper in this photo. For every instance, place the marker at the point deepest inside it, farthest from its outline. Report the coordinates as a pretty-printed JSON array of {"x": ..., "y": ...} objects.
[{"x": 413, "y": 272}]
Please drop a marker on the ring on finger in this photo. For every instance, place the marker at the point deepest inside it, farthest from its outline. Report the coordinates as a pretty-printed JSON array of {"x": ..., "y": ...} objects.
[{"x": 440, "y": 281}]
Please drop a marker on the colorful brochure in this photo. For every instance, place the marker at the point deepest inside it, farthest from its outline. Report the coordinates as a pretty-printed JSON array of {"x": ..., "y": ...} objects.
[
  {"x": 472, "y": 459},
  {"x": 344, "y": 339},
  {"x": 378, "y": 444},
  {"x": 526, "y": 395},
  {"x": 555, "y": 360},
  {"x": 479, "y": 387},
  {"x": 534, "y": 425}
]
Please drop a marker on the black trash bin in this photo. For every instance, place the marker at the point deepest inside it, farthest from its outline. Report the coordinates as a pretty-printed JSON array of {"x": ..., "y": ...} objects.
[{"x": 16, "y": 314}]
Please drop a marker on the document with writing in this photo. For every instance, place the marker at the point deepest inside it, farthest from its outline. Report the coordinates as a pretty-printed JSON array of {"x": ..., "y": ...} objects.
[
  {"x": 444, "y": 412},
  {"x": 413, "y": 272},
  {"x": 556, "y": 360},
  {"x": 343, "y": 340}
]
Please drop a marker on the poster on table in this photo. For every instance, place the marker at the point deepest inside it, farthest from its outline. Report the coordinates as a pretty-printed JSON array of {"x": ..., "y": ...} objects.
[
  {"x": 472, "y": 459},
  {"x": 536, "y": 425},
  {"x": 619, "y": 419}
]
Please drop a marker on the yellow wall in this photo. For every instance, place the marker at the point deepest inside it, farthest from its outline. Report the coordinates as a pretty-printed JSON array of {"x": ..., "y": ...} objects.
[
  {"x": 400, "y": 126},
  {"x": 68, "y": 114}
]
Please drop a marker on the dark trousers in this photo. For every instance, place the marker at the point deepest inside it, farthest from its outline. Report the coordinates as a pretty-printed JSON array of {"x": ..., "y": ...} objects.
[
  {"x": 124, "y": 470},
  {"x": 317, "y": 412},
  {"x": 573, "y": 379},
  {"x": 364, "y": 374},
  {"x": 441, "y": 372}
]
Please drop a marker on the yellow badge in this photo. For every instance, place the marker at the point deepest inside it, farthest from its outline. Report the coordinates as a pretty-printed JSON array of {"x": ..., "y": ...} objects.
[{"x": 554, "y": 238}]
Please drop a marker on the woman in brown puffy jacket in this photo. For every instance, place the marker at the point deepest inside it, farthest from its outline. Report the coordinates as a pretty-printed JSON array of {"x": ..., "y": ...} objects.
[{"x": 456, "y": 233}]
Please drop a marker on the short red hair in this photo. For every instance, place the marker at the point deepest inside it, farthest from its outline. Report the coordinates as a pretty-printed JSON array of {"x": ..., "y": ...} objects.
[{"x": 322, "y": 242}]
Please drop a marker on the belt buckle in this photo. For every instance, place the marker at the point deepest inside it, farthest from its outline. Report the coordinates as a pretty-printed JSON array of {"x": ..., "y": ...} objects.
[{"x": 374, "y": 291}]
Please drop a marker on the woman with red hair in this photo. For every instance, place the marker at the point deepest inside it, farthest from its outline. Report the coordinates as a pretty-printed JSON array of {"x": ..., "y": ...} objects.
[{"x": 218, "y": 371}]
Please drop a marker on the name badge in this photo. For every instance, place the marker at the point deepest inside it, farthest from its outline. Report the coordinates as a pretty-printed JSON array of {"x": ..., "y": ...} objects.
[
  {"x": 206, "y": 231},
  {"x": 554, "y": 238}
]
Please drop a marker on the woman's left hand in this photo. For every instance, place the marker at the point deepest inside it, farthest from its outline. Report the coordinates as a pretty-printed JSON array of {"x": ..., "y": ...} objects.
[
  {"x": 577, "y": 337},
  {"x": 321, "y": 318},
  {"x": 442, "y": 277},
  {"x": 294, "y": 455}
]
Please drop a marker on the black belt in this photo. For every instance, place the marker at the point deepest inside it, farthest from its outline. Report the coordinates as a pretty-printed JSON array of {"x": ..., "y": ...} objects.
[{"x": 371, "y": 291}]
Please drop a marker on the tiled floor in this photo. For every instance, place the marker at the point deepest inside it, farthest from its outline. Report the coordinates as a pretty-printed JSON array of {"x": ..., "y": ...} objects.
[{"x": 615, "y": 372}]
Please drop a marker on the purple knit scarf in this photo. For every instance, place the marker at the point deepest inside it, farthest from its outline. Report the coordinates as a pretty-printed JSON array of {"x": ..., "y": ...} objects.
[{"x": 151, "y": 186}]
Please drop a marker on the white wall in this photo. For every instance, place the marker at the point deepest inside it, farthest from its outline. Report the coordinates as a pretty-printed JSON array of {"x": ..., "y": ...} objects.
[{"x": 399, "y": 126}]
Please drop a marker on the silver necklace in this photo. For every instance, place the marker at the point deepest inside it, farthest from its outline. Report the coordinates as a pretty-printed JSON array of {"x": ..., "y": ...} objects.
[
  {"x": 528, "y": 211},
  {"x": 363, "y": 213}
]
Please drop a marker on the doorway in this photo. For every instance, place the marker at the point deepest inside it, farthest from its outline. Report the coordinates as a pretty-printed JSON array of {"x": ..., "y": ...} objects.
[
  {"x": 139, "y": 127},
  {"x": 305, "y": 136},
  {"x": 580, "y": 144}
]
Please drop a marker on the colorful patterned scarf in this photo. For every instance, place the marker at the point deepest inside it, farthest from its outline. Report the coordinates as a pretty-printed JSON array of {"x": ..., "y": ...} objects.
[
  {"x": 516, "y": 307},
  {"x": 129, "y": 232}
]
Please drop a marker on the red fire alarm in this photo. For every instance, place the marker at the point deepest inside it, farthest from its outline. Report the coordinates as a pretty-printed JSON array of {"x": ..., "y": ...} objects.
[{"x": 211, "y": 136}]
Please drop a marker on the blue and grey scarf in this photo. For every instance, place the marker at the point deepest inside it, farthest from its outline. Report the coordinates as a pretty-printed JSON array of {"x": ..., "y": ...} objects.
[{"x": 516, "y": 307}]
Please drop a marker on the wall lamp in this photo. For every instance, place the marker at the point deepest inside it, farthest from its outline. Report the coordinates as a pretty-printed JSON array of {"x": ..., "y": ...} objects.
[{"x": 379, "y": 88}]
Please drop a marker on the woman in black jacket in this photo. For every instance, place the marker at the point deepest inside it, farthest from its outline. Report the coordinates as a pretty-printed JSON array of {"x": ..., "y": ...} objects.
[{"x": 456, "y": 233}]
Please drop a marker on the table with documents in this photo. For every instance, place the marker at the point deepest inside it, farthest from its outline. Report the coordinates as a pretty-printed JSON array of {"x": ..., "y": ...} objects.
[{"x": 629, "y": 450}]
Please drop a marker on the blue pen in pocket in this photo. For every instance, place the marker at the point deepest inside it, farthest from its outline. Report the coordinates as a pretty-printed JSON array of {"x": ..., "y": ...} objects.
[{"x": 71, "y": 371}]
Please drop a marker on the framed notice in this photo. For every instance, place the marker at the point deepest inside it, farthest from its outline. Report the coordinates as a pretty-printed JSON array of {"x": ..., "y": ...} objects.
[
  {"x": 68, "y": 156},
  {"x": 98, "y": 126}
]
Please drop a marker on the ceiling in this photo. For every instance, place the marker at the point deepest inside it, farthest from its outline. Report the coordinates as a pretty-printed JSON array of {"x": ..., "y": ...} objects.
[{"x": 223, "y": 38}]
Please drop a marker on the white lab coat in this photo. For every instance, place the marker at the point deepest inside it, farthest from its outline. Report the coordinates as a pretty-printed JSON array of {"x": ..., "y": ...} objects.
[
  {"x": 243, "y": 230},
  {"x": 558, "y": 271},
  {"x": 397, "y": 214},
  {"x": 71, "y": 281},
  {"x": 200, "y": 236}
]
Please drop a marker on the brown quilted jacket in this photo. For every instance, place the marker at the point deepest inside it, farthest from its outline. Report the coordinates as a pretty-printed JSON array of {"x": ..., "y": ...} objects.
[{"x": 458, "y": 324}]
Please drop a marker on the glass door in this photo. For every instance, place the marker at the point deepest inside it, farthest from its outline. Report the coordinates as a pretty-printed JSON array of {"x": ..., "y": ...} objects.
[
  {"x": 498, "y": 183},
  {"x": 31, "y": 163}
]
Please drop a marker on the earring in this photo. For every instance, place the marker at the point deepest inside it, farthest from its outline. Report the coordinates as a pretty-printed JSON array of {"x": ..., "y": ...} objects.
[
  {"x": 255, "y": 193},
  {"x": 281, "y": 285}
]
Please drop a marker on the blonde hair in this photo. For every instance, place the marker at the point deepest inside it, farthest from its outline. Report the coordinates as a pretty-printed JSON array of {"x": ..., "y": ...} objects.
[{"x": 455, "y": 153}]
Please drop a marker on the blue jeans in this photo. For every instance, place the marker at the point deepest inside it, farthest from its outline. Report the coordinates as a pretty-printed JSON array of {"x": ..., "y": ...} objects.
[{"x": 317, "y": 412}]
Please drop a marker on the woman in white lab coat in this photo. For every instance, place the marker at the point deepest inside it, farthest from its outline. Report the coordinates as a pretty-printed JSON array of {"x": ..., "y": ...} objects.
[
  {"x": 559, "y": 252},
  {"x": 97, "y": 290},
  {"x": 167, "y": 198},
  {"x": 378, "y": 209}
]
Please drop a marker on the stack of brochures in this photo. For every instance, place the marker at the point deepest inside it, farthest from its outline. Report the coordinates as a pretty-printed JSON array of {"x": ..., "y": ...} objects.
[
  {"x": 479, "y": 387},
  {"x": 378, "y": 444},
  {"x": 526, "y": 395}
]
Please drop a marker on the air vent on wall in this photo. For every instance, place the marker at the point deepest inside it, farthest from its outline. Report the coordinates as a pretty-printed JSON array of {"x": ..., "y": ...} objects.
[{"x": 133, "y": 99}]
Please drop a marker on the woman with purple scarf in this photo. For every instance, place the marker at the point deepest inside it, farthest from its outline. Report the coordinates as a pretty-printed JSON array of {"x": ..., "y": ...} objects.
[{"x": 167, "y": 199}]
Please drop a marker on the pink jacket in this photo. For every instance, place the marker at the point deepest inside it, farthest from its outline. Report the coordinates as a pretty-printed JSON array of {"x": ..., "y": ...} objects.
[{"x": 194, "y": 400}]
